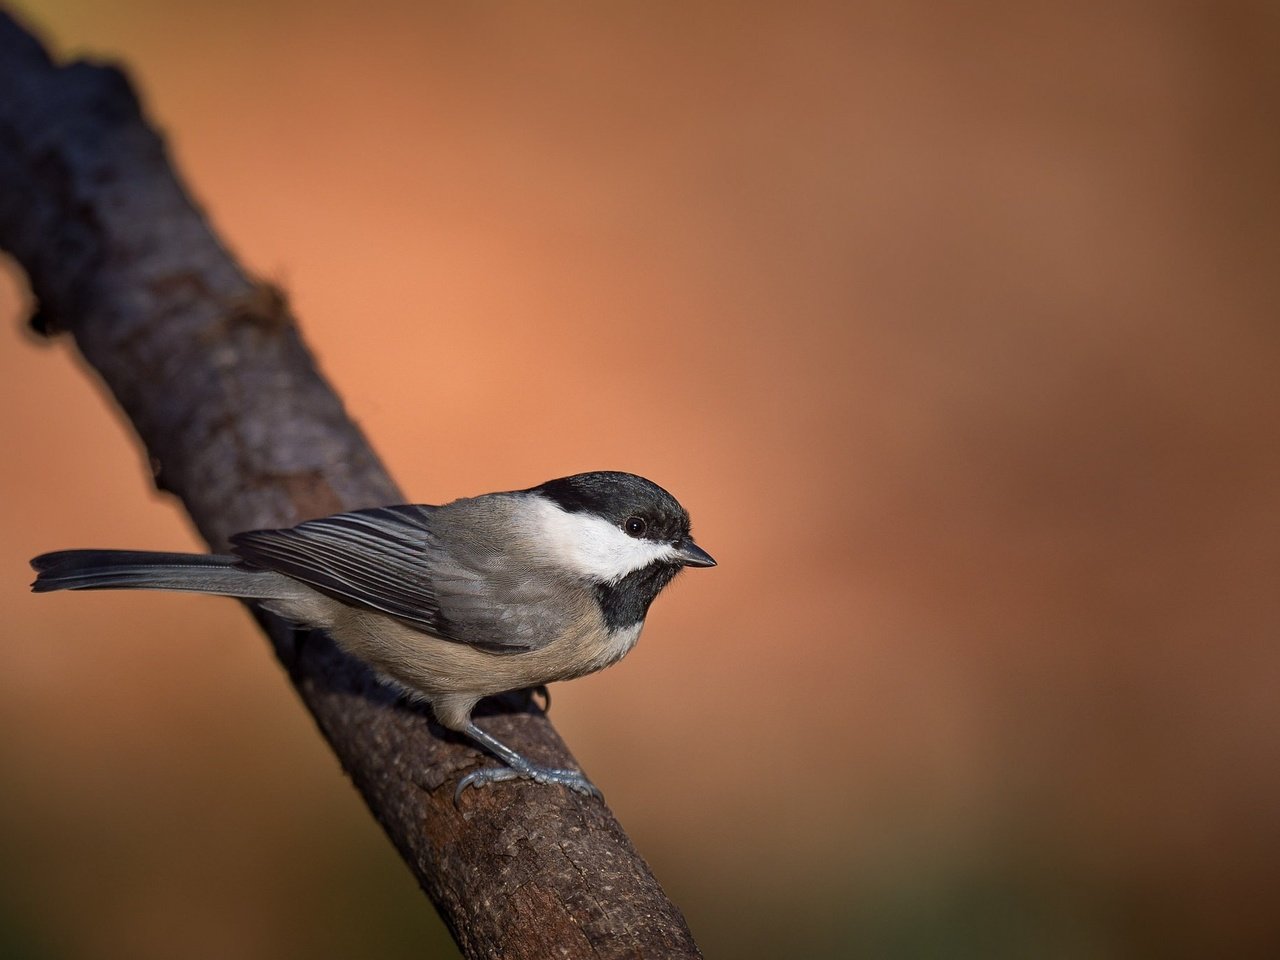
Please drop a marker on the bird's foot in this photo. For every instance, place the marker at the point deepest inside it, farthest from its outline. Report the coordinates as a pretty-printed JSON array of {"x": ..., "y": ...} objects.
[
  {"x": 516, "y": 767},
  {"x": 549, "y": 775}
]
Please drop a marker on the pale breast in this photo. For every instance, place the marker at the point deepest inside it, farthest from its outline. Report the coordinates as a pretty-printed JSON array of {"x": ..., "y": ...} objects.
[{"x": 432, "y": 666}]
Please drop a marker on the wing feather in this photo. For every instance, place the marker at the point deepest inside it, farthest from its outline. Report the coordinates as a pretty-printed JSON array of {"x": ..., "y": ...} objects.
[{"x": 386, "y": 559}]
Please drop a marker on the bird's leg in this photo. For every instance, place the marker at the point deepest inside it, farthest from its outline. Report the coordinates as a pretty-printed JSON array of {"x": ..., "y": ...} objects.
[{"x": 517, "y": 767}]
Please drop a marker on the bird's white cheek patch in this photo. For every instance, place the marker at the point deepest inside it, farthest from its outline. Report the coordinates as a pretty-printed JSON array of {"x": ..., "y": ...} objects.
[{"x": 593, "y": 547}]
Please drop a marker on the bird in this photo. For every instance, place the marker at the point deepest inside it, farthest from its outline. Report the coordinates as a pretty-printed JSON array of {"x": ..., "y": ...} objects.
[{"x": 453, "y": 603}]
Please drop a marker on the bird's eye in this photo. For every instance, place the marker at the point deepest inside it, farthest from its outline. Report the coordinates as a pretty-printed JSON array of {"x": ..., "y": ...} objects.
[{"x": 634, "y": 526}]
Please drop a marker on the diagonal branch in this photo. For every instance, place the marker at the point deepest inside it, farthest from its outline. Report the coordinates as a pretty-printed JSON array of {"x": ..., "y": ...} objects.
[{"x": 210, "y": 367}]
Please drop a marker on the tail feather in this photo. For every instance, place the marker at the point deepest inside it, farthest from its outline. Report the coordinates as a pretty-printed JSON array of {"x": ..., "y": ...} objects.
[{"x": 147, "y": 570}]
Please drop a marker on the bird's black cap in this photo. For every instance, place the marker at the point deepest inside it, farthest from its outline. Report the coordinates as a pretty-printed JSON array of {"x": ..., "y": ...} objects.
[{"x": 617, "y": 496}]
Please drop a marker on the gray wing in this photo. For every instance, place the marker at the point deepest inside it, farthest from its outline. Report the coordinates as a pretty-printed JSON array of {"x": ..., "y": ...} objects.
[{"x": 389, "y": 559}]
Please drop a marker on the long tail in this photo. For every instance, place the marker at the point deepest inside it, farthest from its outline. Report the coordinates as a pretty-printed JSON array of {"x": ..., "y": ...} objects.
[{"x": 147, "y": 570}]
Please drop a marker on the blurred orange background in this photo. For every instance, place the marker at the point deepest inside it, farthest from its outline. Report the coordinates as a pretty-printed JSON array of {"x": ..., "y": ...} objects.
[{"x": 954, "y": 327}]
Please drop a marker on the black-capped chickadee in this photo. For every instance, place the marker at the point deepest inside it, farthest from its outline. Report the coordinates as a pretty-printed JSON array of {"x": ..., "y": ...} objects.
[{"x": 451, "y": 603}]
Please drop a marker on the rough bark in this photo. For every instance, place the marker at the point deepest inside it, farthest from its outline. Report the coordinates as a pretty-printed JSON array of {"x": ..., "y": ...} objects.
[{"x": 209, "y": 366}]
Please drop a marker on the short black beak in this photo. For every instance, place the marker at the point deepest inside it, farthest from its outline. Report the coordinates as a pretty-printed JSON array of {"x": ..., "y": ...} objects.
[{"x": 692, "y": 555}]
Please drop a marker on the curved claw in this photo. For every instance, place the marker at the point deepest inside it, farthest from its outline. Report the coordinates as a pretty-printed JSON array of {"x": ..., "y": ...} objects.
[
  {"x": 565, "y": 778},
  {"x": 481, "y": 777},
  {"x": 517, "y": 767},
  {"x": 542, "y": 691}
]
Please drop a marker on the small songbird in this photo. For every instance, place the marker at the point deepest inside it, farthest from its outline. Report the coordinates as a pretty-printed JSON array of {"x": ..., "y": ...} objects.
[{"x": 450, "y": 603}]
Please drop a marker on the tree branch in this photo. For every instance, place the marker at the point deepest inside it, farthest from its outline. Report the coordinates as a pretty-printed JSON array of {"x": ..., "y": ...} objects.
[{"x": 211, "y": 369}]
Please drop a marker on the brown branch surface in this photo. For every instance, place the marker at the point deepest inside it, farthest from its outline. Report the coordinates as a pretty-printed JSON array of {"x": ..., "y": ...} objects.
[{"x": 210, "y": 367}]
